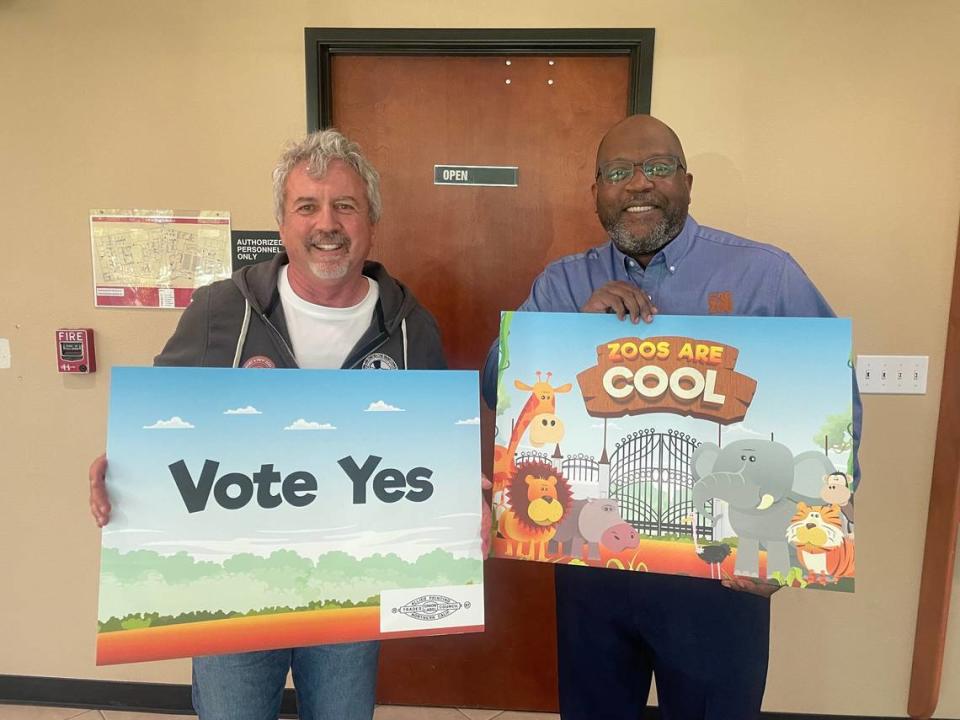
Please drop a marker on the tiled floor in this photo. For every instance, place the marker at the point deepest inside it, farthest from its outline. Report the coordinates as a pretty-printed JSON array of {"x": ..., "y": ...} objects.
[{"x": 384, "y": 712}]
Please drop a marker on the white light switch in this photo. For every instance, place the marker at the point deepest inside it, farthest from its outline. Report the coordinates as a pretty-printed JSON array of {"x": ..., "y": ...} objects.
[
  {"x": 4, "y": 354},
  {"x": 892, "y": 374}
]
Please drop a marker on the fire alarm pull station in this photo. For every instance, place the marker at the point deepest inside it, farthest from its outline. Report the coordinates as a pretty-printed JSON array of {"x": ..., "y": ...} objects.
[{"x": 75, "y": 351}]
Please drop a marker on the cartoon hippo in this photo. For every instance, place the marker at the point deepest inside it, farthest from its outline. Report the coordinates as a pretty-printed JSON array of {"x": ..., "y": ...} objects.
[{"x": 593, "y": 522}]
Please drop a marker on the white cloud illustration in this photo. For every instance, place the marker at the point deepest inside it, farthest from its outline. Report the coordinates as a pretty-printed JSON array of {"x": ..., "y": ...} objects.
[
  {"x": 381, "y": 406},
  {"x": 248, "y": 410},
  {"x": 746, "y": 431},
  {"x": 469, "y": 421},
  {"x": 301, "y": 424},
  {"x": 174, "y": 423},
  {"x": 610, "y": 426}
]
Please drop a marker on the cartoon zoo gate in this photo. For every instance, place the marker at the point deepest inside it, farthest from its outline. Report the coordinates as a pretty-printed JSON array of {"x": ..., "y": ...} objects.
[{"x": 648, "y": 474}]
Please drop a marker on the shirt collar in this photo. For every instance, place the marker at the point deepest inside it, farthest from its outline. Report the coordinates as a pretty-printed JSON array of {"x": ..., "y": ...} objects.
[{"x": 671, "y": 255}]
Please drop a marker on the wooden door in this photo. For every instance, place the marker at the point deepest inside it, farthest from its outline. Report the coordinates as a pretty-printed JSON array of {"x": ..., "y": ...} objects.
[{"x": 468, "y": 252}]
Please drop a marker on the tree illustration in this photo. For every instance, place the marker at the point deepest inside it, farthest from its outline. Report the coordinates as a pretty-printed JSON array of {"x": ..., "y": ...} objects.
[
  {"x": 838, "y": 431},
  {"x": 503, "y": 399}
]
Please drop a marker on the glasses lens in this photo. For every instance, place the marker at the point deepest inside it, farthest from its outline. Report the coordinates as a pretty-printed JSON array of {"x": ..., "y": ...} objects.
[
  {"x": 655, "y": 168},
  {"x": 617, "y": 171},
  {"x": 659, "y": 167}
]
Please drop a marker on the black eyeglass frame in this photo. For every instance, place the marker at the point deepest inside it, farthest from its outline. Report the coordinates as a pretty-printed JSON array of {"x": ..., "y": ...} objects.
[{"x": 600, "y": 175}]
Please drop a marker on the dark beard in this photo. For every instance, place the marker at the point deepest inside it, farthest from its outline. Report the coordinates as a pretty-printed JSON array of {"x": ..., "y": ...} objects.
[{"x": 636, "y": 245}]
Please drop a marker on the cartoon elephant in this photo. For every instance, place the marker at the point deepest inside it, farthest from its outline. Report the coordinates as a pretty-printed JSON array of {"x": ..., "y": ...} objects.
[{"x": 762, "y": 482}]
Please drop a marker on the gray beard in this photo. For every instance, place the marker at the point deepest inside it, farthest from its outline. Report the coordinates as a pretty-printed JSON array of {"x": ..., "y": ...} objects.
[
  {"x": 635, "y": 245},
  {"x": 334, "y": 269},
  {"x": 329, "y": 270}
]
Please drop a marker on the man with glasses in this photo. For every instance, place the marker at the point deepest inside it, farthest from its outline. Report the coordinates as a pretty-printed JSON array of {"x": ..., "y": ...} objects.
[{"x": 705, "y": 642}]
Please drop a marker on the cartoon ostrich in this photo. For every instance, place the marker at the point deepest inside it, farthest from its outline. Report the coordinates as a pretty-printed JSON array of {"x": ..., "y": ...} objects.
[{"x": 713, "y": 554}]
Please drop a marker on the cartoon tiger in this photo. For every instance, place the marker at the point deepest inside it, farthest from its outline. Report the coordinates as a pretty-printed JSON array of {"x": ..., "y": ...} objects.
[{"x": 822, "y": 548}]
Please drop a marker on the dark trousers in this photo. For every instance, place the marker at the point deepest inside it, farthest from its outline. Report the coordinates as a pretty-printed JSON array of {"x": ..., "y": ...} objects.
[{"x": 707, "y": 646}]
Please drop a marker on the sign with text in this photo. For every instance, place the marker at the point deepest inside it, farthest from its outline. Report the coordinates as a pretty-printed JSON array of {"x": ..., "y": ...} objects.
[
  {"x": 484, "y": 175},
  {"x": 690, "y": 445},
  {"x": 157, "y": 258},
  {"x": 257, "y": 509},
  {"x": 666, "y": 374},
  {"x": 248, "y": 247}
]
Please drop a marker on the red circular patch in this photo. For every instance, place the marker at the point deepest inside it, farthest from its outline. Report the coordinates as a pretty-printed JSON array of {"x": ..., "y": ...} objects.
[{"x": 259, "y": 361}]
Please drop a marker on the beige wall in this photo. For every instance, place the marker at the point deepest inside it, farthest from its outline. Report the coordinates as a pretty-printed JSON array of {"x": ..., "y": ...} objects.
[{"x": 827, "y": 127}]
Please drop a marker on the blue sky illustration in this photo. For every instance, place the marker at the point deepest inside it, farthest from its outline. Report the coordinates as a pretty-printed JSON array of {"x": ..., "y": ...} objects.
[
  {"x": 296, "y": 420},
  {"x": 801, "y": 365}
]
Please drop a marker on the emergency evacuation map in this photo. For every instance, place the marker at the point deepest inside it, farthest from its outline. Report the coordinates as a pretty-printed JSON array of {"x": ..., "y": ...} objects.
[{"x": 157, "y": 258}]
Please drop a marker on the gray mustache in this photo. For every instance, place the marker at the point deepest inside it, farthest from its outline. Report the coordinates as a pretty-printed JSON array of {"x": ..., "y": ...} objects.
[{"x": 332, "y": 236}]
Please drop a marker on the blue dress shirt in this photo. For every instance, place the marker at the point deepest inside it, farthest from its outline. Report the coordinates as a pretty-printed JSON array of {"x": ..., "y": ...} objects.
[{"x": 702, "y": 271}]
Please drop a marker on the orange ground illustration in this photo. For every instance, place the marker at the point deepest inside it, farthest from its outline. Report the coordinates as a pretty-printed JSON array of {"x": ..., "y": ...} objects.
[
  {"x": 310, "y": 627},
  {"x": 663, "y": 556}
]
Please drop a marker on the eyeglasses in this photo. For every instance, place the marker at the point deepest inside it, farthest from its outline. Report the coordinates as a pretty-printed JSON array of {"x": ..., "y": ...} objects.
[{"x": 655, "y": 168}]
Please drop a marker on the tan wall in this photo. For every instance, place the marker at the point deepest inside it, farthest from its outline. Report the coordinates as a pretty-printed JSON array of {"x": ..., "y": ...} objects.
[{"x": 829, "y": 128}]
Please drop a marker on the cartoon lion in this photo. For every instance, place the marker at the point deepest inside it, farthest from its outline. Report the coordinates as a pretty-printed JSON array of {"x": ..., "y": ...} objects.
[{"x": 539, "y": 496}]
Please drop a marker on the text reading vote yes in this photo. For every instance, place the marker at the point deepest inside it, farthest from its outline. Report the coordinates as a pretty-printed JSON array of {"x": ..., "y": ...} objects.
[{"x": 233, "y": 491}]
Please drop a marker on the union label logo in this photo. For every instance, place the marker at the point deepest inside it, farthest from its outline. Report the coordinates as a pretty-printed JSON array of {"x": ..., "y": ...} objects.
[
  {"x": 259, "y": 361},
  {"x": 431, "y": 607},
  {"x": 379, "y": 361}
]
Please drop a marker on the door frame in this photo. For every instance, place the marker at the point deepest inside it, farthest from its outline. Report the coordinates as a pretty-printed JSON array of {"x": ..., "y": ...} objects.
[
  {"x": 943, "y": 528},
  {"x": 322, "y": 44},
  {"x": 631, "y": 50}
]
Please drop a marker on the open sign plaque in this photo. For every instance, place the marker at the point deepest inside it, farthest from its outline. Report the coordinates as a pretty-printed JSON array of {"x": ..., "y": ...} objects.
[{"x": 481, "y": 175}]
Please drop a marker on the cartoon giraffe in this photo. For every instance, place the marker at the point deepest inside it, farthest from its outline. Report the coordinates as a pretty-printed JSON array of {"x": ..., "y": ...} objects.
[{"x": 542, "y": 401}]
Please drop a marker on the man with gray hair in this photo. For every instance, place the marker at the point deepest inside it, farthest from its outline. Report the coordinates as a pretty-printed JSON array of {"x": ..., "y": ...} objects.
[{"x": 319, "y": 304}]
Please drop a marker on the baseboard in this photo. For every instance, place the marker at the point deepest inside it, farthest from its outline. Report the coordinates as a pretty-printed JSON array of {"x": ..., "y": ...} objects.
[
  {"x": 108, "y": 695},
  {"x": 175, "y": 699}
]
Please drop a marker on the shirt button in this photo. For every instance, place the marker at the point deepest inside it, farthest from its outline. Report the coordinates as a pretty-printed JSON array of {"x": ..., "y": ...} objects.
[{"x": 673, "y": 268}]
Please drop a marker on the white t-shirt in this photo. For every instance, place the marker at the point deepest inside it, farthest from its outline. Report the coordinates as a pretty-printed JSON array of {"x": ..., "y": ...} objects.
[{"x": 321, "y": 336}]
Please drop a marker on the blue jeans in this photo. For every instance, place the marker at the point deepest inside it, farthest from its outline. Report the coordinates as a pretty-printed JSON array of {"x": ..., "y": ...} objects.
[{"x": 333, "y": 682}]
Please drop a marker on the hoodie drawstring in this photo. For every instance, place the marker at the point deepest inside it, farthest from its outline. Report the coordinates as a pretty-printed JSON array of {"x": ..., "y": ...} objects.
[
  {"x": 403, "y": 331},
  {"x": 243, "y": 333}
]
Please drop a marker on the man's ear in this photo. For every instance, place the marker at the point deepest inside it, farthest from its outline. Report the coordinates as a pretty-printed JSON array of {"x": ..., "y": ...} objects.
[
  {"x": 689, "y": 183},
  {"x": 593, "y": 190}
]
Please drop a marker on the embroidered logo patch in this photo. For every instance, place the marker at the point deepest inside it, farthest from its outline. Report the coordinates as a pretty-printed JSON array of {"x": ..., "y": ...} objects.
[
  {"x": 379, "y": 361},
  {"x": 720, "y": 303},
  {"x": 259, "y": 361}
]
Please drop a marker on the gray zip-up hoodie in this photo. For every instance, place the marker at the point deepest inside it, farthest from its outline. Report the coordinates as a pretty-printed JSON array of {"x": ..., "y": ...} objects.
[{"x": 240, "y": 321}]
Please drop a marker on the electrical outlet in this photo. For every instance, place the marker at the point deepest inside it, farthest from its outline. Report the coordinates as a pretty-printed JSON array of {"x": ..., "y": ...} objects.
[{"x": 892, "y": 374}]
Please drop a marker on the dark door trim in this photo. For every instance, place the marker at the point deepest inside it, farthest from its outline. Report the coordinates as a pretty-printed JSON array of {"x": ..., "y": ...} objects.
[
  {"x": 323, "y": 43},
  {"x": 943, "y": 526}
]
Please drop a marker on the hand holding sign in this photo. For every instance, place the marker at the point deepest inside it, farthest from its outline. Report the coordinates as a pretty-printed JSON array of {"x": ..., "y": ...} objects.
[
  {"x": 622, "y": 299},
  {"x": 99, "y": 500}
]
